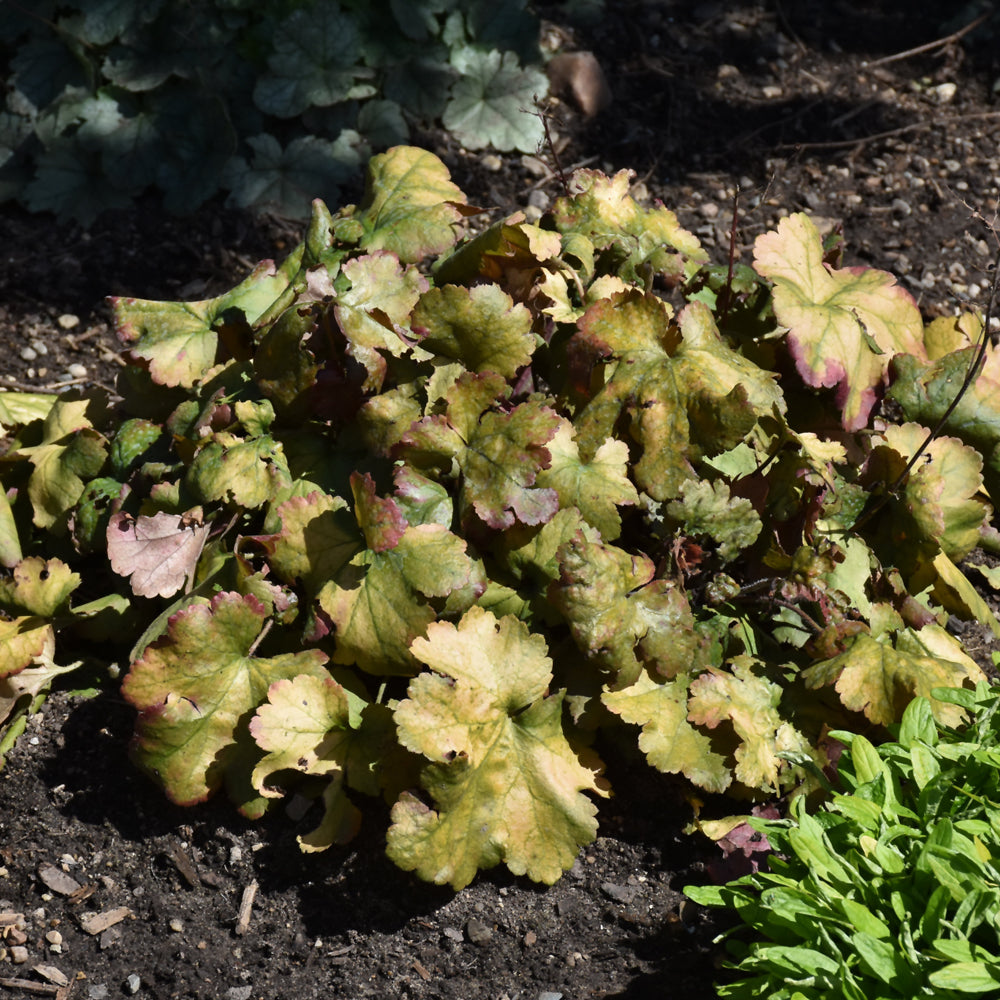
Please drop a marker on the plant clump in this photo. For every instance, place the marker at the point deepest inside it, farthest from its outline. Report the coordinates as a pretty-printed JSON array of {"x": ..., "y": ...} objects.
[{"x": 419, "y": 516}]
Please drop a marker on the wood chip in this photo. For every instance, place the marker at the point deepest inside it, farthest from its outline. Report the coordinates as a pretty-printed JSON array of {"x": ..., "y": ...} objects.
[
  {"x": 184, "y": 864},
  {"x": 96, "y": 923},
  {"x": 8, "y": 919},
  {"x": 421, "y": 971},
  {"x": 52, "y": 974},
  {"x": 30, "y": 986},
  {"x": 246, "y": 905},
  {"x": 58, "y": 881}
]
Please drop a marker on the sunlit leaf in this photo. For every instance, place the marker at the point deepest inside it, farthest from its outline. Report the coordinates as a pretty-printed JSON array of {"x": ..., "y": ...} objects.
[
  {"x": 506, "y": 784},
  {"x": 669, "y": 741},
  {"x": 844, "y": 325},
  {"x": 680, "y": 391},
  {"x": 749, "y": 702},
  {"x": 874, "y": 678},
  {"x": 195, "y": 687},
  {"x": 410, "y": 207}
]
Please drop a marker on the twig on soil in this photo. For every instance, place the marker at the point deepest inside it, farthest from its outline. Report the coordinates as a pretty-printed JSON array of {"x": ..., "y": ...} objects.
[
  {"x": 246, "y": 906},
  {"x": 30, "y": 986},
  {"x": 929, "y": 46},
  {"x": 913, "y": 127}
]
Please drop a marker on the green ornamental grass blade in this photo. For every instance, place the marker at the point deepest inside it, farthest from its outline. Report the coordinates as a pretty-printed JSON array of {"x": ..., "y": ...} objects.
[
  {"x": 967, "y": 977},
  {"x": 843, "y": 325},
  {"x": 506, "y": 783}
]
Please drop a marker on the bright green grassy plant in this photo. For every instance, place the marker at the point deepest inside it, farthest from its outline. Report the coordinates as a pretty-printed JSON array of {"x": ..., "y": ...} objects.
[{"x": 891, "y": 890}]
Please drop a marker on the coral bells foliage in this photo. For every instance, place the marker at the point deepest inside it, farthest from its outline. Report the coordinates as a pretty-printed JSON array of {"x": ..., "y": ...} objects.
[{"x": 412, "y": 514}]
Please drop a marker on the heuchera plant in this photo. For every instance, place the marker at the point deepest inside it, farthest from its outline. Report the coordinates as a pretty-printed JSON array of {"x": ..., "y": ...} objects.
[
  {"x": 274, "y": 101},
  {"x": 414, "y": 515},
  {"x": 890, "y": 891}
]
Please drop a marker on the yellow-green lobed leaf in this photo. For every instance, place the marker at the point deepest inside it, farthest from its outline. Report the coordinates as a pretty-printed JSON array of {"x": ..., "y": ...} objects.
[{"x": 506, "y": 783}]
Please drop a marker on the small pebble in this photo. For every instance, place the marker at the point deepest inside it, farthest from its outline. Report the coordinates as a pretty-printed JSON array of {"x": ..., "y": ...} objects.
[
  {"x": 39, "y": 345},
  {"x": 549, "y": 996},
  {"x": 709, "y": 209},
  {"x": 176, "y": 925},
  {"x": 67, "y": 321},
  {"x": 28, "y": 354},
  {"x": 97, "y": 992},
  {"x": 619, "y": 893},
  {"x": 491, "y": 161},
  {"x": 453, "y": 934},
  {"x": 238, "y": 993},
  {"x": 77, "y": 371},
  {"x": 539, "y": 199},
  {"x": 478, "y": 932},
  {"x": 19, "y": 954},
  {"x": 133, "y": 983}
]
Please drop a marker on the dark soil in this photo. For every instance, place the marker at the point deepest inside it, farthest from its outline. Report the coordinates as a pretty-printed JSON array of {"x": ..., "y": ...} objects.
[{"x": 799, "y": 107}]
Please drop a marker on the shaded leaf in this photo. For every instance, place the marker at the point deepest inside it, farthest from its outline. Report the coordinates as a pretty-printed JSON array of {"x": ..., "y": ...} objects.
[
  {"x": 493, "y": 102},
  {"x": 286, "y": 180},
  {"x": 315, "y": 51}
]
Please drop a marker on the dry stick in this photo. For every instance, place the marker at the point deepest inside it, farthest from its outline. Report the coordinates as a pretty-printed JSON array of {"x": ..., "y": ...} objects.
[
  {"x": 246, "y": 906},
  {"x": 840, "y": 77},
  {"x": 929, "y": 46},
  {"x": 914, "y": 127}
]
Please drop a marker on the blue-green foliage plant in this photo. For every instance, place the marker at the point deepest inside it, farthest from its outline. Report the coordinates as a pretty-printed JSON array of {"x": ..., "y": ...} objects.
[
  {"x": 890, "y": 890},
  {"x": 274, "y": 102}
]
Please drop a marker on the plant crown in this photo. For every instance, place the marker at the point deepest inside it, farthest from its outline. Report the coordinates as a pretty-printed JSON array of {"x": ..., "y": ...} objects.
[{"x": 418, "y": 516}]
